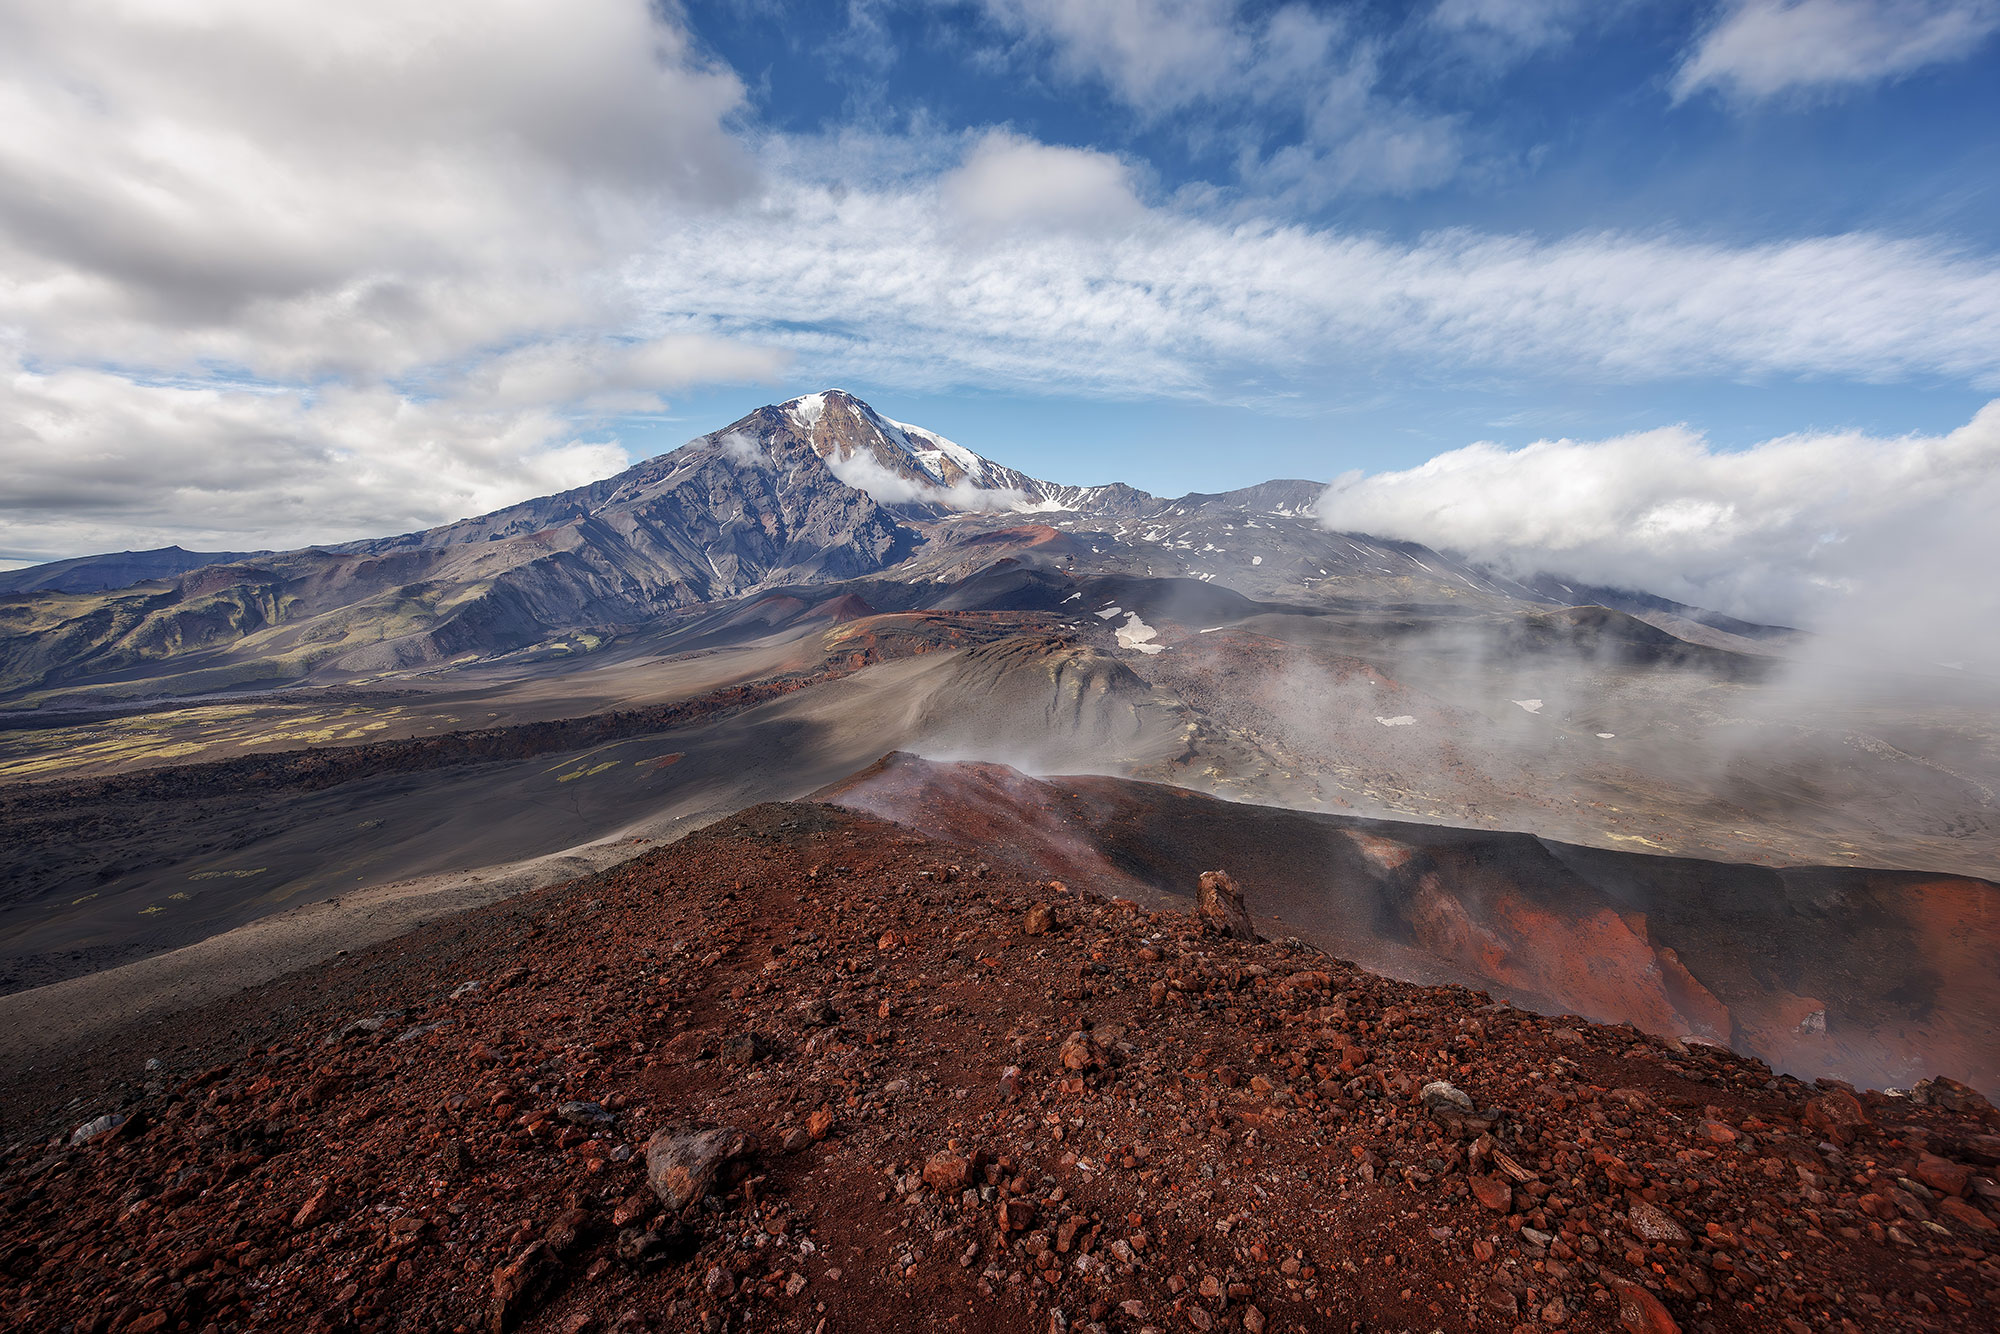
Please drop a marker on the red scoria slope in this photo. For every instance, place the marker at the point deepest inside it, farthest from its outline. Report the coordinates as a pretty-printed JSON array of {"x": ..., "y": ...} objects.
[{"x": 891, "y": 1089}]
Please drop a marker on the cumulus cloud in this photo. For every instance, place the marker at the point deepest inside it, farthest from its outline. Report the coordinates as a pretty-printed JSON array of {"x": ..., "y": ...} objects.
[
  {"x": 1008, "y": 181},
  {"x": 254, "y": 252},
  {"x": 1885, "y": 543},
  {"x": 295, "y": 188},
  {"x": 97, "y": 462},
  {"x": 1761, "y": 48}
]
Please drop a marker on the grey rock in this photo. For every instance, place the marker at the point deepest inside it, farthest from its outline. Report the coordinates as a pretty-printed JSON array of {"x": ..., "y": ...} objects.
[
  {"x": 1440, "y": 1096},
  {"x": 683, "y": 1162}
]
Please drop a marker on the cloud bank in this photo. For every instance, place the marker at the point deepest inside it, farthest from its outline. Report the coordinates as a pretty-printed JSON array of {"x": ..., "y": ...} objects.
[
  {"x": 275, "y": 271},
  {"x": 1885, "y": 545}
]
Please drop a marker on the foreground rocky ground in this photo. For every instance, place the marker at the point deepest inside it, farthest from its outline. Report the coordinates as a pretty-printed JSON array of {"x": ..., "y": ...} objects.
[{"x": 807, "y": 1070}]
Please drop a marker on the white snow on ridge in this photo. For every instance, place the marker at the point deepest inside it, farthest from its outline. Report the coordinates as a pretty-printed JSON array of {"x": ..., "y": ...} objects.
[
  {"x": 806, "y": 409},
  {"x": 1531, "y": 705},
  {"x": 974, "y": 466}
]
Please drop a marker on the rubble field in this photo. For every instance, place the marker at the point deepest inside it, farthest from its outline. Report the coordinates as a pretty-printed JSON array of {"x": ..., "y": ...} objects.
[{"x": 809, "y": 1070}]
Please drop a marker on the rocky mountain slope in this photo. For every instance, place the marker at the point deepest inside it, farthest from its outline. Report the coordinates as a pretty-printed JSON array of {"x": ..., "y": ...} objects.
[
  {"x": 820, "y": 489},
  {"x": 811, "y": 1071}
]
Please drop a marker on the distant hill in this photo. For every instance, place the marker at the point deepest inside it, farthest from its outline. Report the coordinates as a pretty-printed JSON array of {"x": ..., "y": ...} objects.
[{"x": 117, "y": 569}]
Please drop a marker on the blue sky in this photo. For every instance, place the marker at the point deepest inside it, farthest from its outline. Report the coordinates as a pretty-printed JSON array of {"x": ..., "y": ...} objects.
[
  {"x": 281, "y": 274},
  {"x": 1577, "y": 129}
]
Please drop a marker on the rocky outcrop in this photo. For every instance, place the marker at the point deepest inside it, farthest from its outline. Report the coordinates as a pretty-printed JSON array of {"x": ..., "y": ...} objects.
[{"x": 1219, "y": 904}]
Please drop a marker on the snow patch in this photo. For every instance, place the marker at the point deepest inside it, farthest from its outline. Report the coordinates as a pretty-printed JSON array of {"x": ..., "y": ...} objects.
[
  {"x": 1606, "y": 736},
  {"x": 1400, "y": 720},
  {"x": 1256, "y": 560},
  {"x": 1531, "y": 705},
  {"x": 1136, "y": 634},
  {"x": 806, "y": 409},
  {"x": 1109, "y": 612}
]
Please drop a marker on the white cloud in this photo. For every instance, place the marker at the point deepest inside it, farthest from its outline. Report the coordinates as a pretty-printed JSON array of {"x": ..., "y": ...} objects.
[
  {"x": 1154, "y": 54},
  {"x": 302, "y": 189},
  {"x": 1008, "y": 181},
  {"x": 873, "y": 284},
  {"x": 99, "y": 462},
  {"x": 1510, "y": 29},
  {"x": 1163, "y": 57},
  {"x": 863, "y": 472},
  {"x": 613, "y": 375},
  {"x": 1761, "y": 48},
  {"x": 1887, "y": 542},
  {"x": 289, "y": 213}
]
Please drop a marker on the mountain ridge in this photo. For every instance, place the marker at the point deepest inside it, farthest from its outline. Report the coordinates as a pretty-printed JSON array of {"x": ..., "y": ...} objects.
[{"x": 820, "y": 489}]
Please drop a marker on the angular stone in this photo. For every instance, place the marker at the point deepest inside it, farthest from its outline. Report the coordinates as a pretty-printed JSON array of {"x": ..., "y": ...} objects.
[
  {"x": 1640, "y": 1312},
  {"x": 682, "y": 1163},
  {"x": 1494, "y": 1192},
  {"x": 1441, "y": 1096},
  {"x": 1650, "y": 1224},
  {"x": 1219, "y": 904}
]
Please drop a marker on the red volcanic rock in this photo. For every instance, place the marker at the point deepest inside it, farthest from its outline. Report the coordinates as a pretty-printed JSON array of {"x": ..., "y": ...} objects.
[
  {"x": 1244, "y": 1128},
  {"x": 946, "y": 1171},
  {"x": 1943, "y": 1175},
  {"x": 1837, "y": 1114},
  {"x": 1950, "y": 1095},
  {"x": 1716, "y": 1133},
  {"x": 1640, "y": 1312},
  {"x": 1494, "y": 1192},
  {"x": 1651, "y": 1224},
  {"x": 1080, "y": 1052},
  {"x": 682, "y": 1163},
  {"x": 1220, "y": 905},
  {"x": 1964, "y": 1213}
]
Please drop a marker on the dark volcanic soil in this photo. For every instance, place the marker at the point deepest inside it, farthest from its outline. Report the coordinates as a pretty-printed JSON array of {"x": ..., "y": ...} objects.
[{"x": 448, "y": 1133}]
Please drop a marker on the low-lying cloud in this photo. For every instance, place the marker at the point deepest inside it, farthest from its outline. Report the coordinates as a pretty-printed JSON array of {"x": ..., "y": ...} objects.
[
  {"x": 1887, "y": 544},
  {"x": 864, "y": 472}
]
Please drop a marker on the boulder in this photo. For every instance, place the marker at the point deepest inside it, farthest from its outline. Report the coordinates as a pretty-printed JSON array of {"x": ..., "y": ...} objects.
[
  {"x": 1440, "y": 1096},
  {"x": 1836, "y": 1114},
  {"x": 1950, "y": 1095},
  {"x": 1640, "y": 1312},
  {"x": 1219, "y": 904},
  {"x": 682, "y": 1162}
]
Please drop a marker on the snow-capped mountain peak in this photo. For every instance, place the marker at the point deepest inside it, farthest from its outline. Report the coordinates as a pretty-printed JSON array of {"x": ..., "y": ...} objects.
[{"x": 901, "y": 463}]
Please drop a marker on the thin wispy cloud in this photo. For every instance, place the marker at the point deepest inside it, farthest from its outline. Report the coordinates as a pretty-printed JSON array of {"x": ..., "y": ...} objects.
[
  {"x": 1759, "y": 49},
  {"x": 1171, "y": 302}
]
